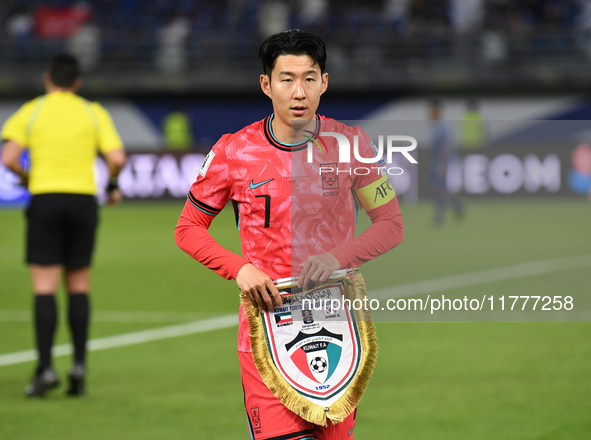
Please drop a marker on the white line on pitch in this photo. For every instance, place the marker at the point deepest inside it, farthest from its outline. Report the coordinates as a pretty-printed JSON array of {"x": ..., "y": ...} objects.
[
  {"x": 127, "y": 316},
  {"x": 129, "y": 338},
  {"x": 483, "y": 277},
  {"x": 418, "y": 288},
  {"x": 422, "y": 287}
]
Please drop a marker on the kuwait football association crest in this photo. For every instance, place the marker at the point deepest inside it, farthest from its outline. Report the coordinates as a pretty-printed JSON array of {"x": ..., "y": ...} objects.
[
  {"x": 317, "y": 362},
  {"x": 316, "y": 355}
]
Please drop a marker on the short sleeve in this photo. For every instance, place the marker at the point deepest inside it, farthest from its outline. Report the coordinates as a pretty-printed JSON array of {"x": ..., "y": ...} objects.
[
  {"x": 108, "y": 137},
  {"x": 15, "y": 127}
]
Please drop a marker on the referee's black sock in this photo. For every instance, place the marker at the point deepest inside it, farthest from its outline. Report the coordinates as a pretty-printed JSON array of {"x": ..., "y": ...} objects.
[
  {"x": 78, "y": 316},
  {"x": 45, "y": 323}
]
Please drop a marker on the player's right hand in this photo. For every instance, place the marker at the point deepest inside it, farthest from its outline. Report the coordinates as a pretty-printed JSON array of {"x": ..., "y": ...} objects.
[{"x": 258, "y": 286}]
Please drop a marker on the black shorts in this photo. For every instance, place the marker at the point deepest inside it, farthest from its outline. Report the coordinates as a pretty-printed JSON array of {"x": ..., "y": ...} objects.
[{"x": 61, "y": 229}]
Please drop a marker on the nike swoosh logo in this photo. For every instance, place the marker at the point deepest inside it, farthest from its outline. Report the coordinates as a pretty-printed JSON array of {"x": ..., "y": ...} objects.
[{"x": 256, "y": 185}]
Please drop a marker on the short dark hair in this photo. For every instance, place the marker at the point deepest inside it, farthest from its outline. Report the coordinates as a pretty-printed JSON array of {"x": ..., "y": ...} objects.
[
  {"x": 292, "y": 42},
  {"x": 63, "y": 70}
]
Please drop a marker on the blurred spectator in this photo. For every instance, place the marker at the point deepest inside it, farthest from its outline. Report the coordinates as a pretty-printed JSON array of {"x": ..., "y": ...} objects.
[
  {"x": 466, "y": 15},
  {"x": 178, "y": 130},
  {"x": 273, "y": 17},
  {"x": 311, "y": 12},
  {"x": 396, "y": 12},
  {"x": 19, "y": 24},
  {"x": 85, "y": 45},
  {"x": 493, "y": 47},
  {"x": 171, "y": 56},
  {"x": 472, "y": 127},
  {"x": 584, "y": 27}
]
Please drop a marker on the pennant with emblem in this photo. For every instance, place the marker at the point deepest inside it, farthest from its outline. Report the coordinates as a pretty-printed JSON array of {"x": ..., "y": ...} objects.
[{"x": 316, "y": 353}]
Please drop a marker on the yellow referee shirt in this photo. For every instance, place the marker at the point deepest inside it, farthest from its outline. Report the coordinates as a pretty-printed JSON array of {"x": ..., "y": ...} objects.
[{"x": 63, "y": 133}]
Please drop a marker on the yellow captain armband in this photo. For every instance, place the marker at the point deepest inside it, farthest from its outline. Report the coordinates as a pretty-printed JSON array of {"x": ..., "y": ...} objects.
[{"x": 376, "y": 194}]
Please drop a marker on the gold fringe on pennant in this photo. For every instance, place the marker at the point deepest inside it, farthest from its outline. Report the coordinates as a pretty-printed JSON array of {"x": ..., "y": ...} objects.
[{"x": 278, "y": 385}]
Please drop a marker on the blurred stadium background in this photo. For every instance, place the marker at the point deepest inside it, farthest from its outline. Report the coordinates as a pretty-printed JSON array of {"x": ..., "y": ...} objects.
[{"x": 163, "y": 362}]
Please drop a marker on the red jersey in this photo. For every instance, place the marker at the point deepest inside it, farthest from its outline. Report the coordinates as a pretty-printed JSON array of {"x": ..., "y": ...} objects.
[{"x": 288, "y": 205}]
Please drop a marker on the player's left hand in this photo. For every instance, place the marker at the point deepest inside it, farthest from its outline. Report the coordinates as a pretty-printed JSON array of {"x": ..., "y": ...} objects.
[{"x": 317, "y": 269}]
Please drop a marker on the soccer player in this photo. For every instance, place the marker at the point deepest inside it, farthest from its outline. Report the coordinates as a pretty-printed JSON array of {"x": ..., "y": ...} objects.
[
  {"x": 253, "y": 169},
  {"x": 443, "y": 150},
  {"x": 62, "y": 132}
]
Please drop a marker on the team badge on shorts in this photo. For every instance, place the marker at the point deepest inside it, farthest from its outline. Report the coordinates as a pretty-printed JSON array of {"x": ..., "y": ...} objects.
[
  {"x": 319, "y": 365},
  {"x": 255, "y": 418}
]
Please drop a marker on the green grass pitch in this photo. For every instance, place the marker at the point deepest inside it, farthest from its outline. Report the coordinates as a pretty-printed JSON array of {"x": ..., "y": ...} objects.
[{"x": 433, "y": 380}]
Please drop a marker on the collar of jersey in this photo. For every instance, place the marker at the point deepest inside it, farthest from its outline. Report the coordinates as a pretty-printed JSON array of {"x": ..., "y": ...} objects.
[{"x": 282, "y": 145}]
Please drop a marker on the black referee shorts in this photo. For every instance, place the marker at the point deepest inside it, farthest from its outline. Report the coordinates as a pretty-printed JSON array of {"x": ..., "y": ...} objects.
[{"x": 61, "y": 229}]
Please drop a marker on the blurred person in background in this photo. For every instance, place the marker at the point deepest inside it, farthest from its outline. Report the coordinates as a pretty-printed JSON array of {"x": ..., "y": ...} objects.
[
  {"x": 178, "y": 130},
  {"x": 472, "y": 127},
  {"x": 443, "y": 149},
  {"x": 62, "y": 132},
  {"x": 579, "y": 177}
]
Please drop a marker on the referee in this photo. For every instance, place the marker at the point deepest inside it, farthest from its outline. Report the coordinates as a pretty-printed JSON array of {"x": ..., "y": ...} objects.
[{"x": 63, "y": 133}]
